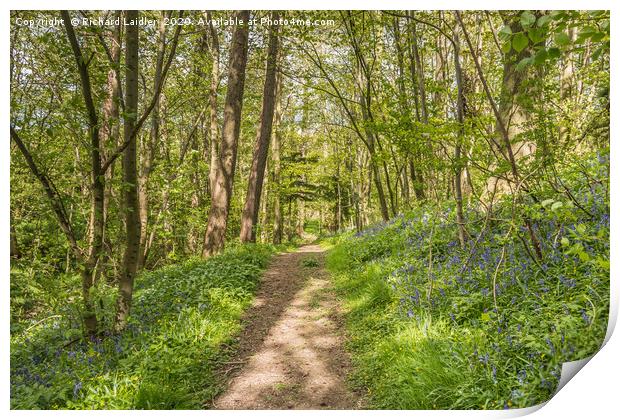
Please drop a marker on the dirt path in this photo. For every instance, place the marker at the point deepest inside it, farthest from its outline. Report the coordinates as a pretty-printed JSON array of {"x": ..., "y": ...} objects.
[{"x": 291, "y": 350}]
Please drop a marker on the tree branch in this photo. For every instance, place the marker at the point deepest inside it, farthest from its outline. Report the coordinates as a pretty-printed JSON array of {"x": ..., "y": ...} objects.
[
  {"x": 152, "y": 104},
  {"x": 52, "y": 195}
]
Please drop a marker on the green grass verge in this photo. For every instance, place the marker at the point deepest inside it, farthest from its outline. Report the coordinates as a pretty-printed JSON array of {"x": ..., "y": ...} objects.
[
  {"x": 474, "y": 329},
  {"x": 183, "y": 325}
]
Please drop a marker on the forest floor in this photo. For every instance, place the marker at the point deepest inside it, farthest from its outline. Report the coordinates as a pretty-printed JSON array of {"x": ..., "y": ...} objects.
[{"x": 291, "y": 352}]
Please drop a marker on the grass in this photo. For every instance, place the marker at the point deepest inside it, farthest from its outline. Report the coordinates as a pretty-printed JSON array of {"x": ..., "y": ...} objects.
[
  {"x": 183, "y": 325},
  {"x": 437, "y": 338}
]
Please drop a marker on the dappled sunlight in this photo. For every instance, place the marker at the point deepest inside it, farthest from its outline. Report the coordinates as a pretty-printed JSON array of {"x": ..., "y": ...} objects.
[{"x": 299, "y": 363}]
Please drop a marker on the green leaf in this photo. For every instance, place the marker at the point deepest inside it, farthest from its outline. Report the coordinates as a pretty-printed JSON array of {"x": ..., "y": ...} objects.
[
  {"x": 588, "y": 30},
  {"x": 544, "y": 20},
  {"x": 527, "y": 19},
  {"x": 505, "y": 32},
  {"x": 603, "y": 263},
  {"x": 583, "y": 256},
  {"x": 485, "y": 317},
  {"x": 536, "y": 35},
  {"x": 564, "y": 241},
  {"x": 553, "y": 52},
  {"x": 547, "y": 202},
  {"x": 597, "y": 53},
  {"x": 506, "y": 46},
  {"x": 605, "y": 25},
  {"x": 519, "y": 42},
  {"x": 562, "y": 39},
  {"x": 557, "y": 205},
  {"x": 541, "y": 56},
  {"x": 524, "y": 63},
  {"x": 558, "y": 14}
]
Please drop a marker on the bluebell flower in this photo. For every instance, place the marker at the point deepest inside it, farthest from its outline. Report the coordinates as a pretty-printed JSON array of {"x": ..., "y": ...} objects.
[
  {"x": 416, "y": 297},
  {"x": 585, "y": 316},
  {"x": 544, "y": 383},
  {"x": 570, "y": 283}
]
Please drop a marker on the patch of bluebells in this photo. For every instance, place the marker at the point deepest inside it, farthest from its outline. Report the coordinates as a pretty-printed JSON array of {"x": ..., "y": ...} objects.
[
  {"x": 540, "y": 303},
  {"x": 43, "y": 358}
]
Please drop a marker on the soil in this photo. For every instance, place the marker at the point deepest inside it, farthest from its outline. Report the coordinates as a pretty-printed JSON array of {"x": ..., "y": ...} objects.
[{"x": 291, "y": 353}]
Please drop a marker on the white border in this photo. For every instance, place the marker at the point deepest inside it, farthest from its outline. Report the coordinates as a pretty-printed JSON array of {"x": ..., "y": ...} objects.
[{"x": 593, "y": 393}]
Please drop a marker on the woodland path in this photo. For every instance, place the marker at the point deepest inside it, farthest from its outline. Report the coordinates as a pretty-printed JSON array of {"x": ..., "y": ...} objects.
[{"x": 291, "y": 353}]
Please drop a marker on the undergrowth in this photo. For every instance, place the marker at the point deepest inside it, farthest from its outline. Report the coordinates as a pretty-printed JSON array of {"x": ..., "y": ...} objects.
[
  {"x": 433, "y": 325},
  {"x": 184, "y": 318}
]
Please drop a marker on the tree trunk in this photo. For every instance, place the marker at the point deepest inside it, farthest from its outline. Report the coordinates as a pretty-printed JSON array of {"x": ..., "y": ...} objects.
[
  {"x": 460, "y": 112},
  {"x": 215, "y": 82},
  {"x": 223, "y": 185},
  {"x": 130, "y": 175},
  {"x": 95, "y": 239},
  {"x": 509, "y": 116},
  {"x": 370, "y": 142},
  {"x": 148, "y": 151},
  {"x": 261, "y": 147},
  {"x": 109, "y": 131},
  {"x": 417, "y": 76},
  {"x": 278, "y": 224}
]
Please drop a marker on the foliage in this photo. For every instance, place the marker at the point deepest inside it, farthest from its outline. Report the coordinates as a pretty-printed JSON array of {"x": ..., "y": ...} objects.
[
  {"x": 380, "y": 113},
  {"x": 424, "y": 328},
  {"x": 183, "y": 320}
]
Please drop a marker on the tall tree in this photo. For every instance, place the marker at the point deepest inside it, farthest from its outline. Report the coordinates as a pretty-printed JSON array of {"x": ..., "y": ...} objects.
[
  {"x": 130, "y": 174},
  {"x": 89, "y": 258},
  {"x": 225, "y": 171},
  {"x": 417, "y": 74},
  {"x": 278, "y": 222},
  {"x": 150, "y": 144},
  {"x": 261, "y": 147},
  {"x": 110, "y": 125},
  {"x": 458, "y": 164},
  {"x": 215, "y": 82}
]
